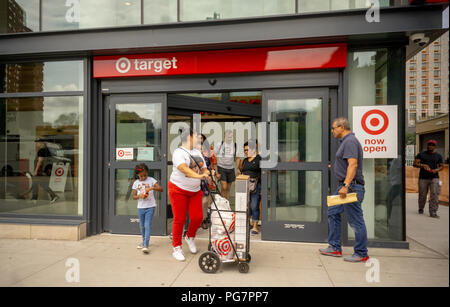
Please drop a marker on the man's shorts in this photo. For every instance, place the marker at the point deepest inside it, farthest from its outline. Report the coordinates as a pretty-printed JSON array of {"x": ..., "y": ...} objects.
[{"x": 227, "y": 175}]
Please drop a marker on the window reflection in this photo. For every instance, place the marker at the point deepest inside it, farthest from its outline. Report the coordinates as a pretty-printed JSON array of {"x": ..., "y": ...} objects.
[
  {"x": 308, "y": 6},
  {"x": 299, "y": 129},
  {"x": 42, "y": 77},
  {"x": 160, "y": 11},
  {"x": 82, "y": 14},
  {"x": 138, "y": 126},
  {"x": 19, "y": 16},
  {"x": 294, "y": 196},
  {"x": 217, "y": 9},
  {"x": 41, "y": 155}
]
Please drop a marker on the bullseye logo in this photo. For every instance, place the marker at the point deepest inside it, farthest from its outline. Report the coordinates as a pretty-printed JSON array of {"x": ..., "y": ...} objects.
[
  {"x": 59, "y": 171},
  {"x": 223, "y": 247},
  {"x": 375, "y": 122},
  {"x": 123, "y": 65},
  {"x": 121, "y": 153}
]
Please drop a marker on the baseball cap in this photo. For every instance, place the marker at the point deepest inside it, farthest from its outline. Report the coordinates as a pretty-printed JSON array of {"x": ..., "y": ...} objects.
[{"x": 432, "y": 142}]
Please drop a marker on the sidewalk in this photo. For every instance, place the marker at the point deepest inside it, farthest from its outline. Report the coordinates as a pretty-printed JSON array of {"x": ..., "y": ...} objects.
[{"x": 113, "y": 260}]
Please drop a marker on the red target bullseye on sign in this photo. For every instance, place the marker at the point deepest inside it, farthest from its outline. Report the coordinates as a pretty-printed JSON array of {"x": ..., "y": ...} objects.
[
  {"x": 223, "y": 247},
  {"x": 375, "y": 122},
  {"x": 59, "y": 171},
  {"x": 121, "y": 153}
]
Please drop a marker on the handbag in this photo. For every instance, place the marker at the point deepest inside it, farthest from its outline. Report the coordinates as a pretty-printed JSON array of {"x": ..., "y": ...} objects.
[{"x": 253, "y": 183}]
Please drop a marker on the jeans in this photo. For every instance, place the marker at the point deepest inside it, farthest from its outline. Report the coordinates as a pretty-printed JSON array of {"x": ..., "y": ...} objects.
[
  {"x": 433, "y": 186},
  {"x": 145, "y": 222},
  {"x": 255, "y": 198},
  {"x": 355, "y": 218}
]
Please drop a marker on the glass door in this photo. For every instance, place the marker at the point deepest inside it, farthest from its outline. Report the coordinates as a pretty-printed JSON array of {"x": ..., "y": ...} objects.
[
  {"x": 295, "y": 190},
  {"x": 137, "y": 134}
]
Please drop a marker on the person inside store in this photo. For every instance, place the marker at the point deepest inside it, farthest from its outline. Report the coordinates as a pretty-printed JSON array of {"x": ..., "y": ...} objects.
[
  {"x": 226, "y": 159},
  {"x": 349, "y": 173},
  {"x": 251, "y": 166},
  {"x": 430, "y": 163},
  {"x": 185, "y": 194},
  {"x": 40, "y": 177}
]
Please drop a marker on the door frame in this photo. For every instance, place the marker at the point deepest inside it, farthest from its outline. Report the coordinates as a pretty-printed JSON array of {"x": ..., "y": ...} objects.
[
  {"x": 299, "y": 230},
  {"x": 121, "y": 224},
  {"x": 332, "y": 79}
]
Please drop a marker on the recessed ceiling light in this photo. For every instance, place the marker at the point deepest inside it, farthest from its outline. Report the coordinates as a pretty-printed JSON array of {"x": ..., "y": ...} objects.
[{"x": 127, "y": 3}]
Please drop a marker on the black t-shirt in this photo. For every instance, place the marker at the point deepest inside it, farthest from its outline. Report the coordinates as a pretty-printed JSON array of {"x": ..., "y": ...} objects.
[
  {"x": 252, "y": 168},
  {"x": 432, "y": 160},
  {"x": 42, "y": 153}
]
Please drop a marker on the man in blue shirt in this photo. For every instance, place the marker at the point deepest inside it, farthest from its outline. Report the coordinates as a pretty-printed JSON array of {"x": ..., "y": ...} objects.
[{"x": 348, "y": 171}]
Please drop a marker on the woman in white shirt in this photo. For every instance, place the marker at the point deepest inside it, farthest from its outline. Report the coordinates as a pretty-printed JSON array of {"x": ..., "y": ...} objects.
[{"x": 184, "y": 191}]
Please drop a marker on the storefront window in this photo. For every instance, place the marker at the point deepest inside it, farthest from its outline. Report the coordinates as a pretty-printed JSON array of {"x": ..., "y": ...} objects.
[
  {"x": 82, "y": 14},
  {"x": 308, "y": 6},
  {"x": 160, "y": 11},
  {"x": 42, "y": 77},
  {"x": 41, "y": 155},
  {"x": 19, "y": 16},
  {"x": 382, "y": 205},
  {"x": 218, "y": 9}
]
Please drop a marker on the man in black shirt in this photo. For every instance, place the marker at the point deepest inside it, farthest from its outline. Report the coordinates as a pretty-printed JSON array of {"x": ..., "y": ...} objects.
[{"x": 430, "y": 164}]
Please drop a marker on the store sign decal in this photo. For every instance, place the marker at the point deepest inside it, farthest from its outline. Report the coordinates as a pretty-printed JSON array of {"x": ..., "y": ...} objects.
[{"x": 376, "y": 129}]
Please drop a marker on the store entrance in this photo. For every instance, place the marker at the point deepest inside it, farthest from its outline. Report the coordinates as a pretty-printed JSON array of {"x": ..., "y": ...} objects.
[{"x": 143, "y": 127}]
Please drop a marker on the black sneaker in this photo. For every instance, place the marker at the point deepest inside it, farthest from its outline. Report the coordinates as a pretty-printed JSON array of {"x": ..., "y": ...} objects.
[
  {"x": 434, "y": 215},
  {"x": 420, "y": 211}
]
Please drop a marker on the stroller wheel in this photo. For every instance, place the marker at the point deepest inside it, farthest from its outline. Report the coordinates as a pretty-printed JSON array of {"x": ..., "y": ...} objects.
[
  {"x": 209, "y": 262},
  {"x": 243, "y": 267}
]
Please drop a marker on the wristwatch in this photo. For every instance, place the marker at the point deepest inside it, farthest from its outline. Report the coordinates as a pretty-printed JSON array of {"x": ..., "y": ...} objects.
[{"x": 346, "y": 185}]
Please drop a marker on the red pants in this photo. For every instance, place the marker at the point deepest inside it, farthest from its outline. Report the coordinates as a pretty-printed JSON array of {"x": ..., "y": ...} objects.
[{"x": 183, "y": 201}]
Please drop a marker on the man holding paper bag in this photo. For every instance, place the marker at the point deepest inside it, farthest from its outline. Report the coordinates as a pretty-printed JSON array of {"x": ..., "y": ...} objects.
[{"x": 348, "y": 171}]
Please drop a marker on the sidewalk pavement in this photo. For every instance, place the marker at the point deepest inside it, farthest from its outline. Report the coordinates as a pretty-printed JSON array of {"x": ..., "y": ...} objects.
[{"x": 113, "y": 260}]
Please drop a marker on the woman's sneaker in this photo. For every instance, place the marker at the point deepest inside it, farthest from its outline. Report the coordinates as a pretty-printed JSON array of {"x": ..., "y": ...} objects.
[
  {"x": 178, "y": 253},
  {"x": 191, "y": 244},
  {"x": 140, "y": 246},
  {"x": 145, "y": 250}
]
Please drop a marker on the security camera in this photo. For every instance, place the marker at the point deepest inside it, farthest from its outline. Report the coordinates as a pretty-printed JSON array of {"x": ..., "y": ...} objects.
[
  {"x": 420, "y": 39},
  {"x": 424, "y": 41}
]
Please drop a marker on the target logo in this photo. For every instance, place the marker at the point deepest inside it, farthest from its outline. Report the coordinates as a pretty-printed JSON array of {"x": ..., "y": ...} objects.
[
  {"x": 59, "y": 171},
  {"x": 375, "y": 122},
  {"x": 376, "y": 128},
  {"x": 121, "y": 153},
  {"x": 223, "y": 246},
  {"x": 123, "y": 65}
]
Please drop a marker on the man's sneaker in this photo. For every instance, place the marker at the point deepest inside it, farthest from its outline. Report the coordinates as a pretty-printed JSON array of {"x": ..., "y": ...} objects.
[
  {"x": 140, "y": 246},
  {"x": 191, "y": 244},
  {"x": 434, "y": 215},
  {"x": 145, "y": 250},
  {"x": 178, "y": 253},
  {"x": 420, "y": 211},
  {"x": 356, "y": 258},
  {"x": 55, "y": 198},
  {"x": 329, "y": 251}
]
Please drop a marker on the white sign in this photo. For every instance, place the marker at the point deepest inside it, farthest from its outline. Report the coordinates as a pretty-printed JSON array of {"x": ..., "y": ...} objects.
[
  {"x": 58, "y": 178},
  {"x": 376, "y": 129},
  {"x": 124, "y": 153},
  {"x": 145, "y": 154}
]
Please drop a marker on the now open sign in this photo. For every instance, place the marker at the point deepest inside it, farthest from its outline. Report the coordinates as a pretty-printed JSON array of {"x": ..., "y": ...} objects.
[{"x": 376, "y": 129}]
